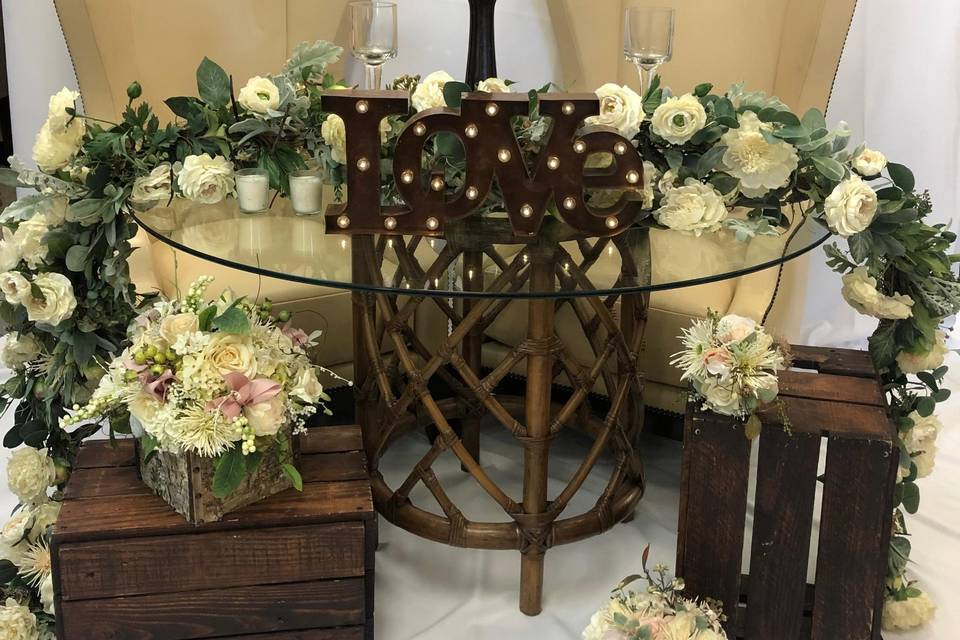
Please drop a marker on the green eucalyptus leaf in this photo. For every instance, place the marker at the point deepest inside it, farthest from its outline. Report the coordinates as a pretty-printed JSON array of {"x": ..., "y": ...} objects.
[
  {"x": 829, "y": 168},
  {"x": 926, "y": 406},
  {"x": 910, "y": 497},
  {"x": 813, "y": 119}
]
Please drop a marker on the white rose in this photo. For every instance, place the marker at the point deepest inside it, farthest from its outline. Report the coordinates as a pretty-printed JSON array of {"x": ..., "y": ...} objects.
[
  {"x": 667, "y": 182},
  {"x": 493, "y": 85},
  {"x": 57, "y": 142},
  {"x": 850, "y": 207},
  {"x": 429, "y": 91},
  {"x": 57, "y": 303},
  {"x": 758, "y": 164},
  {"x": 721, "y": 398},
  {"x": 677, "y": 119},
  {"x": 334, "y": 133},
  {"x": 917, "y": 362},
  {"x": 921, "y": 442},
  {"x": 307, "y": 387},
  {"x": 58, "y": 118},
  {"x": 266, "y": 418},
  {"x": 46, "y": 594},
  {"x": 19, "y": 349},
  {"x": 17, "y": 527},
  {"x": 733, "y": 328},
  {"x": 17, "y": 622},
  {"x": 909, "y": 613},
  {"x": 230, "y": 353},
  {"x": 717, "y": 361},
  {"x": 869, "y": 163},
  {"x": 650, "y": 175},
  {"x": 30, "y": 239},
  {"x": 29, "y": 472},
  {"x": 621, "y": 108},
  {"x": 9, "y": 250},
  {"x": 860, "y": 291},
  {"x": 259, "y": 95},
  {"x": 153, "y": 187},
  {"x": 44, "y": 515},
  {"x": 173, "y": 326},
  {"x": 143, "y": 408},
  {"x": 693, "y": 208},
  {"x": 52, "y": 152},
  {"x": 206, "y": 179},
  {"x": 14, "y": 286}
]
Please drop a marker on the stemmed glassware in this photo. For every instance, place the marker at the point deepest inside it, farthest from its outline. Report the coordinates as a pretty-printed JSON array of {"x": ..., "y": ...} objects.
[
  {"x": 648, "y": 40},
  {"x": 373, "y": 36}
]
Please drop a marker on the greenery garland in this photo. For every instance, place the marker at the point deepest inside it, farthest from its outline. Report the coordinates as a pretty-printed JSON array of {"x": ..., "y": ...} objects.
[{"x": 738, "y": 162}]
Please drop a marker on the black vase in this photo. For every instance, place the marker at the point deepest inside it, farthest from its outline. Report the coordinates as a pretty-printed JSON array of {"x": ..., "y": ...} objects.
[{"x": 482, "y": 50}]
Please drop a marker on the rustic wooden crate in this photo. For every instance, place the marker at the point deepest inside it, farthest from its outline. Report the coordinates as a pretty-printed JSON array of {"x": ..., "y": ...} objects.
[
  {"x": 840, "y": 401},
  {"x": 185, "y": 482},
  {"x": 295, "y": 566}
]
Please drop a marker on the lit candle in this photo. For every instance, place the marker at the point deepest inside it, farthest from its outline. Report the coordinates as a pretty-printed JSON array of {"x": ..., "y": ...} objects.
[
  {"x": 306, "y": 192},
  {"x": 253, "y": 190}
]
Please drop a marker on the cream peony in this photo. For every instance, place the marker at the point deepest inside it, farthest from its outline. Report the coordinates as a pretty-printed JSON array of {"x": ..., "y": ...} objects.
[
  {"x": 493, "y": 85},
  {"x": 909, "y": 613},
  {"x": 17, "y": 622},
  {"x": 57, "y": 302},
  {"x": 621, "y": 108},
  {"x": 266, "y": 418},
  {"x": 59, "y": 138},
  {"x": 921, "y": 442},
  {"x": 721, "y": 398},
  {"x": 153, "y": 187},
  {"x": 206, "y": 179},
  {"x": 334, "y": 133},
  {"x": 860, "y": 291},
  {"x": 259, "y": 95},
  {"x": 30, "y": 240},
  {"x": 869, "y": 163},
  {"x": 677, "y": 119},
  {"x": 693, "y": 208},
  {"x": 9, "y": 250},
  {"x": 429, "y": 91},
  {"x": 307, "y": 387},
  {"x": 19, "y": 349},
  {"x": 759, "y": 165},
  {"x": 17, "y": 527},
  {"x": 917, "y": 362},
  {"x": 178, "y": 324},
  {"x": 231, "y": 353},
  {"x": 29, "y": 472},
  {"x": 850, "y": 207}
]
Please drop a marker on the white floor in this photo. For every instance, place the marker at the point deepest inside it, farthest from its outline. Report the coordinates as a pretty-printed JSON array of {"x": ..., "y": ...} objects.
[{"x": 431, "y": 591}]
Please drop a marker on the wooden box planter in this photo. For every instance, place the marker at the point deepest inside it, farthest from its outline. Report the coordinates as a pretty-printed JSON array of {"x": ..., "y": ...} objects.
[
  {"x": 841, "y": 402},
  {"x": 295, "y": 566},
  {"x": 185, "y": 482}
]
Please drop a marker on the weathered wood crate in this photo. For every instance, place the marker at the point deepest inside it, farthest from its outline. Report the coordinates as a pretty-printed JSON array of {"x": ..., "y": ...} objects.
[
  {"x": 839, "y": 401},
  {"x": 185, "y": 482},
  {"x": 295, "y": 566}
]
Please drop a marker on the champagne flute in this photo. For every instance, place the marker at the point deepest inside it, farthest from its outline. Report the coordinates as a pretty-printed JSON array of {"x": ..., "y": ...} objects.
[
  {"x": 648, "y": 40},
  {"x": 373, "y": 37}
]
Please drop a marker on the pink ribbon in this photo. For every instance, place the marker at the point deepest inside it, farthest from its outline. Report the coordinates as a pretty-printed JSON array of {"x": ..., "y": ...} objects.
[
  {"x": 243, "y": 393},
  {"x": 157, "y": 387}
]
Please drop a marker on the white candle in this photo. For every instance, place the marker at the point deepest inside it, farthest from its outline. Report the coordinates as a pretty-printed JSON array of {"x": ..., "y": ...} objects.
[
  {"x": 306, "y": 192},
  {"x": 253, "y": 190}
]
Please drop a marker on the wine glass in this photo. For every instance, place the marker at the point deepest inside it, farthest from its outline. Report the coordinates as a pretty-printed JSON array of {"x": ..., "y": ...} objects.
[
  {"x": 648, "y": 40},
  {"x": 373, "y": 36}
]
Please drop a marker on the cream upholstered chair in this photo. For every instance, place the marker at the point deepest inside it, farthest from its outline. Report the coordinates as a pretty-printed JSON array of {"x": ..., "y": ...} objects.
[{"x": 787, "y": 47}]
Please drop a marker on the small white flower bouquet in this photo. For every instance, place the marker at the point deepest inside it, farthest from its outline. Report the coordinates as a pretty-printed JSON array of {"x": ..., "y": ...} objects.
[
  {"x": 223, "y": 383},
  {"x": 658, "y": 613},
  {"x": 732, "y": 363}
]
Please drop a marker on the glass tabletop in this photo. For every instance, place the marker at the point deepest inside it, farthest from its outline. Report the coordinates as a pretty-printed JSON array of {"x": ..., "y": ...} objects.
[{"x": 477, "y": 257}]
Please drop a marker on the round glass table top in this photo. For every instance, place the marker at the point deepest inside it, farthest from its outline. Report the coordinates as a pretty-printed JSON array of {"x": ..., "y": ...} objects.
[{"x": 477, "y": 257}]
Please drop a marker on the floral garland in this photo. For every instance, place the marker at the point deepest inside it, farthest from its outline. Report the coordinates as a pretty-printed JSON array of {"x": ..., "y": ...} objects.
[{"x": 739, "y": 162}]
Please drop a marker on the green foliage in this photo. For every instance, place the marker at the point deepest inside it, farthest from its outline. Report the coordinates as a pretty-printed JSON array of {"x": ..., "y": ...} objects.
[
  {"x": 213, "y": 84},
  {"x": 229, "y": 471}
]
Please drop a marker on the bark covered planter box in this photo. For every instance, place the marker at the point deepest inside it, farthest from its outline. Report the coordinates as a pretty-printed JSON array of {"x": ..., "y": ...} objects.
[{"x": 185, "y": 481}]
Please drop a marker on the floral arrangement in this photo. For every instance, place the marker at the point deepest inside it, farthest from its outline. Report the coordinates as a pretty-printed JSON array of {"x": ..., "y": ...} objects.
[
  {"x": 732, "y": 363},
  {"x": 219, "y": 379},
  {"x": 658, "y": 613}
]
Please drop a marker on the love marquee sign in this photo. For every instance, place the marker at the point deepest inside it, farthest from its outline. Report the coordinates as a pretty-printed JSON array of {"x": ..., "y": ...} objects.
[{"x": 483, "y": 125}]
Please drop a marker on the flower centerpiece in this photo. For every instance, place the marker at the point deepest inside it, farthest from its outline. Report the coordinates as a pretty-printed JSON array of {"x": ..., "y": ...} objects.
[
  {"x": 658, "y": 613},
  {"x": 217, "y": 386},
  {"x": 732, "y": 363}
]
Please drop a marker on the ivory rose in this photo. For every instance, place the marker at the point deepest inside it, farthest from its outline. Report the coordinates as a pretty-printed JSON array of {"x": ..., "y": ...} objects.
[
  {"x": 266, "y": 418},
  {"x": 429, "y": 91},
  {"x": 229, "y": 353},
  {"x": 59, "y": 137},
  {"x": 9, "y": 250},
  {"x": 493, "y": 85},
  {"x": 909, "y": 613},
  {"x": 17, "y": 527},
  {"x": 921, "y": 442},
  {"x": 717, "y": 361},
  {"x": 19, "y": 349},
  {"x": 206, "y": 179},
  {"x": 678, "y": 119},
  {"x": 57, "y": 302},
  {"x": 693, "y": 208},
  {"x": 621, "y": 108},
  {"x": 307, "y": 387},
  {"x": 143, "y": 408},
  {"x": 153, "y": 187},
  {"x": 723, "y": 398},
  {"x": 259, "y": 95},
  {"x": 29, "y": 473},
  {"x": 928, "y": 361},
  {"x": 175, "y": 325},
  {"x": 850, "y": 207},
  {"x": 733, "y": 328},
  {"x": 30, "y": 238},
  {"x": 869, "y": 163},
  {"x": 334, "y": 133},
  {"x": 14, "y": 286},
  {"x": 758, "y": 164},
  {"x": 860, "y": 291}
]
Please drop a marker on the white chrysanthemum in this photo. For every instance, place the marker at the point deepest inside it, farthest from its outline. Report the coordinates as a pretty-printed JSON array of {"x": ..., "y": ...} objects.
[
  {"x": 429, "y": 91},
  {"x": 678, "y": 118},
  {"x": 694, "y": 208},
  {"x": 29, "y": 473},
  {"x": 927, "y": 361},
  {"x": 758, "y": 164},
  {"x": 850, "y": 207},
  {"x": 921, "y": 442},
  {"x": 860, "y": 291},
  {"x": 17, "y": 622},
  {"x": 909, "y": 613},
  {"x": 206, "y": 433},
  {"x": 35, "y": 563}
]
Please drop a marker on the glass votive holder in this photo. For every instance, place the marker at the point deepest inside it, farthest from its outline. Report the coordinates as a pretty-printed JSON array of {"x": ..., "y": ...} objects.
[
  {"x": 253, "y": 190},
  {"x": 306, "y": 192}
]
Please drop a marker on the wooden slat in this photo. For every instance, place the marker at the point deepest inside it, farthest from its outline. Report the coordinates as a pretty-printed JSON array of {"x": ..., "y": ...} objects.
[
  {"x": 837, "y": 418},
  {"x": 825, "y": 386},
  {"x": 105, "y": 482},
  {"x": 333, "y": 467},
  {"x": 153, "y": 565},
  {"x": 842, "y": 362},
  {"x": 100, "y": 453},
  {"x": 143, "y": 515},
  {"x": 342, "y": 633},
  {"x": 854, "y": 518},
  {"x": 713, "y": 503},
  {"x": 218, "y": 612},
  {"x": 782, "y": 524},
  {"x": 331, "y": 439}
]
